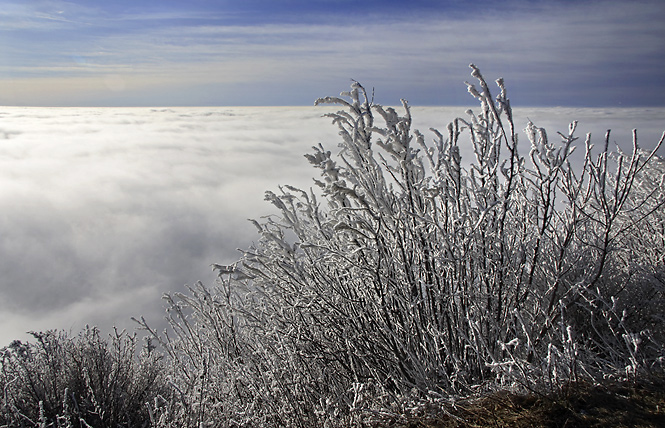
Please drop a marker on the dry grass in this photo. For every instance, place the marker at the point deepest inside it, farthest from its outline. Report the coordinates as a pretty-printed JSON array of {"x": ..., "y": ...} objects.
[{"x": 577, "y": 405}]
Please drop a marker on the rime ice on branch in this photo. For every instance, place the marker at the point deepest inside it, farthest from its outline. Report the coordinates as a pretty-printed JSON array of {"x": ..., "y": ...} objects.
[{"x": 405, "y": 277}]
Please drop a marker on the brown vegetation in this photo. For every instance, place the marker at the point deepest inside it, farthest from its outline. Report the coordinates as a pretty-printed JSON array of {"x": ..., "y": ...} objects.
[{"x": 580, "y": 404}]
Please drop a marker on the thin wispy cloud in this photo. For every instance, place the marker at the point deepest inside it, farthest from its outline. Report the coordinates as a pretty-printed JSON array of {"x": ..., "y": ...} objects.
[{"x": 555, "y": 53}]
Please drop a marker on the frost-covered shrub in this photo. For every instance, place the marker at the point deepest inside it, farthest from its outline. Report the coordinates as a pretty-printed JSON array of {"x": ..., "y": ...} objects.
[
  {"x": 409, "y": 275},
  {"x": 82, "y": 381}
]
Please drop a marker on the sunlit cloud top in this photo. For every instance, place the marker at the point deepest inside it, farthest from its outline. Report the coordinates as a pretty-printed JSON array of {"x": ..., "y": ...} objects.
[{"x": 204, "y": 52}]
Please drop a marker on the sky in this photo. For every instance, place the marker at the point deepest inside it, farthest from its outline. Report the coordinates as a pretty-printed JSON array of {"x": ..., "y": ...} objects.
[
  {"x": 104, "y": 209},
  {"x": 599, "y": 53}
]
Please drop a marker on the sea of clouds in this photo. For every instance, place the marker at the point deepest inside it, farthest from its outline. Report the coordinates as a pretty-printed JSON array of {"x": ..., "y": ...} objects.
[{"x": 102, "y": 210}]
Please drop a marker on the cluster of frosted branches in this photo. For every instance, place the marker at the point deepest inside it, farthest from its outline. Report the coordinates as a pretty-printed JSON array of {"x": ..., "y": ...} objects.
[
  {"x": 79, "y": 382},
  {"x": 408, "y": 276}
]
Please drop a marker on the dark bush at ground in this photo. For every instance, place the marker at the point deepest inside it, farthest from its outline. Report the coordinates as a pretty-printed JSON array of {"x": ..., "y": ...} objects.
[{"x": 81, "y": 381}]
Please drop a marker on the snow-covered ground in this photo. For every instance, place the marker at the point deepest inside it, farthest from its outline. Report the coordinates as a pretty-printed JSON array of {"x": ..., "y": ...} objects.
[{"x": 104, "y": 209}]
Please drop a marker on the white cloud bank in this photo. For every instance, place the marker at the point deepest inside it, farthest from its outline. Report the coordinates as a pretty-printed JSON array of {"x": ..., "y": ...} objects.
[{"x": 105, "y": 209}]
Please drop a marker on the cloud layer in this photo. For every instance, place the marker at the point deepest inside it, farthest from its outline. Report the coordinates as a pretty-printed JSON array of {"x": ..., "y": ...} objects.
[{"x": 105, "y": 209}]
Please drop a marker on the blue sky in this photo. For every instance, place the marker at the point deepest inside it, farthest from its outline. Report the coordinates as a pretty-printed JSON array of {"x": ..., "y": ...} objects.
[{"x": 259, "y": 52}]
